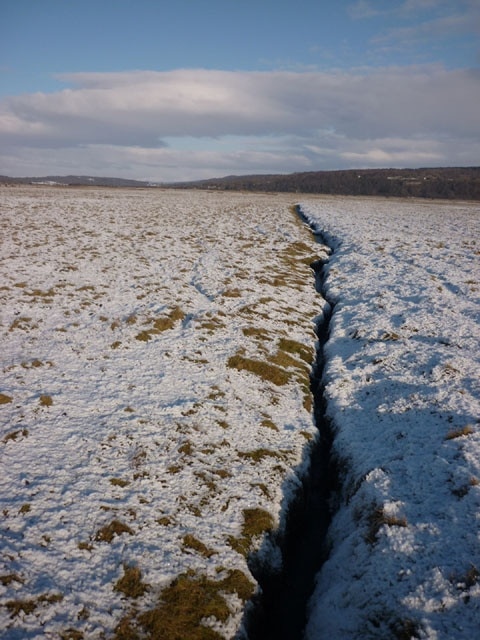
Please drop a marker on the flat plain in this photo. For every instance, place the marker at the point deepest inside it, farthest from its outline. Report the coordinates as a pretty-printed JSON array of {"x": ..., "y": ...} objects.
[{"x": 156, "y": 414}]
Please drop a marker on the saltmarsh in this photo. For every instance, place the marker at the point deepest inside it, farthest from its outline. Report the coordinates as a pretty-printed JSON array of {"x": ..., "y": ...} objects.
[{"x": 155, "y": 407}]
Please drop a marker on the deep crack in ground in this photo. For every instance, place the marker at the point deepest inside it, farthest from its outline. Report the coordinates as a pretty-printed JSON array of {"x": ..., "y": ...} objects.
[{"x": 280, "y": 611}]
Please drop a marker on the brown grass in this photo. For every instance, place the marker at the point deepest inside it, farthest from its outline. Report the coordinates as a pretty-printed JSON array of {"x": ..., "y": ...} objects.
[
  {"x": 13, "y": 435},
  {"x": 130, "y": 584},
  {"x": 256, "y": 522},
  {"x": 46, "y": 401},
  {"x": 261, "y": 368},
  {"x": 187, "y": 601},
  {"x": 458, "y": 433},
  {"x": 304, "y": 352},
  {"x": 4, "y": 399},
  {"x": 109, "y": 531},
  {"x": 190, "y": 542},
  {"x": 28, "y": 606},
  {"x": 119, "y": 482},
  {"x": 377, "y": 519}
]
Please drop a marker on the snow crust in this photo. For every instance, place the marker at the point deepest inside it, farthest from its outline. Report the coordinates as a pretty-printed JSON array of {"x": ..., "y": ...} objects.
[
  {"x": 120, "y": 311},
  {"x": 402, "y": 390}
]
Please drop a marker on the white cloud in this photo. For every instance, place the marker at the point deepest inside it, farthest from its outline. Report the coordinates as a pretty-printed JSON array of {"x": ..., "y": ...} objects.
[{"x": 114, "y": 123}]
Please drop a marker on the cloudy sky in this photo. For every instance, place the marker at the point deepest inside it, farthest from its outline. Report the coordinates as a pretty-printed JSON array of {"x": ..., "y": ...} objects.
[{"x": 189, "y": 89}]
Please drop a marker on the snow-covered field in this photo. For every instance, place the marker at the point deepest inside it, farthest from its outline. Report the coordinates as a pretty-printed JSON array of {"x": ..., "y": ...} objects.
[
  {"x": 155, "y": 412},
  {"x": 156, "y": 350},
  {"x": 403, "y": 393}
]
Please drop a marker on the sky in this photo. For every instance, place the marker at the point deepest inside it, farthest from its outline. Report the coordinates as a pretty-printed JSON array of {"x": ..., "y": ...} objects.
[{"x": 191, "y": 89}]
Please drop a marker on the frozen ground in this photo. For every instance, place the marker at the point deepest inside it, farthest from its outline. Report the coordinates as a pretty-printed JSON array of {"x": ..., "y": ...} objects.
[
  {"x": 403, "y": 394},
  {"x": 156, "y": 349},
  {"x": 155, "y": 410}
]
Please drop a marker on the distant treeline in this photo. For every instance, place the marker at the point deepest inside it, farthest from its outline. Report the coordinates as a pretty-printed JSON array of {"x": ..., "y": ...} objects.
[{"x": 460, "y": 183}]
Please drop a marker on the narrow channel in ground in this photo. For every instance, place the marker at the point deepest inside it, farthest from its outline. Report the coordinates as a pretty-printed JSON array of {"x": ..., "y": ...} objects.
[{"x": 280, "y": 612}]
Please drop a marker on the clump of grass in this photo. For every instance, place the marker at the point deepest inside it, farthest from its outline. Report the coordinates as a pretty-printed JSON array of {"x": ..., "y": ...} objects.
[
  {"x": 256, "y": 522},
  {"x": 389, "y": 336},
  {"x": 190, "y": 542},
  {"x": 109, "y": 531},
  {"x": 35, "y": 363},
  {"x": 304, "y": 352},
  {"x": 232, "y": 293},
  {"x": 4, "y": 399},
  {"x": 187, "y": 601},
  {"x": 186, "y": 448},
  {"x": 256, "y": 332},
  {"x": 458, "y": 433},
  {"x": 8, "y": 578},
  {"x": 25, "y": 508},
  {"x": 259, "y": 454},
  {"x": 161, "y": 324},
  {"x": 24, "y": 323},
  {"x": 269, "y": 424},
  {"x": 13, "y": 435},
  {"x": 46, "y": 400},
  {"x": 261, "y": 368},
  {"x": 377, "y": 519},
  {"x": 119, "y": 482},
  {"x": 28, "y": 606},
  {"x": 71, "y": 634},
  {"x": 130, "y": 584}
]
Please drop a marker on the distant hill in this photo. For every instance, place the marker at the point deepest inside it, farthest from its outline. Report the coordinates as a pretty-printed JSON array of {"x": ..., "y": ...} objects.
[
  {"x": 446, "y": 182},
  {"x": 459, "y": 183},
  {"x": 76, "y": 181}
]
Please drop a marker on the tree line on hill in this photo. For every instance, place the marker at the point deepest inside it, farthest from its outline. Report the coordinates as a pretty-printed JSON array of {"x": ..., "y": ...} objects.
[
  {"x": 454, "y": 183},
  {"x": 461, "y": 183}
]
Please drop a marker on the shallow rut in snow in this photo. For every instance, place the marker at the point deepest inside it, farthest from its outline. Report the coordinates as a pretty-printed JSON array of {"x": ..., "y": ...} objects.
[{"x": 280, "y": 610}]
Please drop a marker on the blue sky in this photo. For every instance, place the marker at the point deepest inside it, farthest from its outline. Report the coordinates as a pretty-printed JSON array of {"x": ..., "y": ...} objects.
[{"x": 188, "y": 89}]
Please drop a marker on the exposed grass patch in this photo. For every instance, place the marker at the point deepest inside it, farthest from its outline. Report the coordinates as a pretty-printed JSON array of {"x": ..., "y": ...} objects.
[
  {"x": 256, "y": 522},
  {"x": 161, "y": 324},
  {"x": 4, "y": 399},
  {"x": 186, "y": 448},
  {"x": 232, "y": 293},
  {"x": 304, "y": 352},
  {"x": 29, "y": 606},
  {"x": 46, "y": 400},
  {"x": 188, "y": 600},
  {"x": 256, "y": 332},
  {"x": 130, "y": 584},
  {"x": 269, "y": 424},
  {"x": 119, "y": 482},
  {"x": 261, "y": 368},
  {"x": 109, "y": 531},
  {"x": 34, "y": 364},
  {"x": 71, "y": 634},
  {"x": 24, "y": 323},
  {"x": 458, "y": 433},
  {"x": 377, "y": 519},
  {"x": 259, "y": 454},
  {"x": 13, "y": 435},
  {"x": 8, "y": 578},
  {"x": 190, "y": 542}
]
